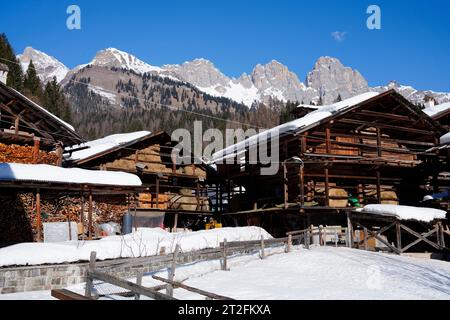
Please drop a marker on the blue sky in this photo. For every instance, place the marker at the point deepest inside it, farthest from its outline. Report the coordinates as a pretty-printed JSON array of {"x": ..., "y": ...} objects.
[{"x": 412, "y": 47}]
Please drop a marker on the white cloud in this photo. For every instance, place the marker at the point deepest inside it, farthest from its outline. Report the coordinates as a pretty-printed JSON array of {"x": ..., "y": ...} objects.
[{"x": 339, "y": 36}]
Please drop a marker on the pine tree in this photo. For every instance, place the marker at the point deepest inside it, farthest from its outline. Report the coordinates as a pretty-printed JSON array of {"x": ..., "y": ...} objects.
[
  {"x": 55, "y": 102},
  {"x": 15, "y": 74},
  {"x": 32, "y": 85}
]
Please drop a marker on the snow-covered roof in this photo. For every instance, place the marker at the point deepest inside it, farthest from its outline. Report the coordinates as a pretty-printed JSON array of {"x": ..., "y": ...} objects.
[
  {"x": 435, "y": 110},
  {"x": 45, "y": 173},
  {"x": 405, "y": 212},
  {"x": 308, "y": 120},
  {"x": 43, "y": 110},
  {"x": 104, "y": 144}
]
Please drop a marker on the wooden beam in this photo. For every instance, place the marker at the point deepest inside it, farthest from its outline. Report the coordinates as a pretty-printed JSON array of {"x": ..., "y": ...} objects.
[
  {"x": 64, "y": 294},
  {"x": 176, "y": 284},
  {"x": 16, "y": 126},
  {"x": 420, "y": 238},
  {"x": 379, "y": 186},
  {"x": 379, "y": 145},
  {"x": 90, "y": 227},
  {"x": 398, "y": 231},
  {"x": 302, "y": 185},
  {"x": 328, "y": 140},
  {"x": 129, "y": 286},
  {"x": 285, "y": 186},
  {"x": 28, "y": 124},
  {"x": 36, "y": 146},
  {"x": 387, "y": 126},
  {"x": 327, "y": 187},
  {"x": 89, "y": 280},
  {"x": 379, "y": 115},
  {"x": 373, "y": 137},
  {"x": 38, "y": 215}
]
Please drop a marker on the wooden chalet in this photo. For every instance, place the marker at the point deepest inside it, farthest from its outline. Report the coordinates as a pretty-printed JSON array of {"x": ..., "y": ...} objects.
[
  {"x": 369, "y": 149},
  {"x": 178, "y": 191},
  {"x": 35, "y": 138}
]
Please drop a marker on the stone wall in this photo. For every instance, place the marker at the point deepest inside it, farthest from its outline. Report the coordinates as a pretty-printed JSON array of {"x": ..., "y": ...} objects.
[{"x": 36, "y": 278}]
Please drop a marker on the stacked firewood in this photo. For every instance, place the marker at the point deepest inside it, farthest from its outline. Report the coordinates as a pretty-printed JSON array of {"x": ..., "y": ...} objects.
[
  {"x": 24, "y": 154},
  {"x": 63, "y": 209}
]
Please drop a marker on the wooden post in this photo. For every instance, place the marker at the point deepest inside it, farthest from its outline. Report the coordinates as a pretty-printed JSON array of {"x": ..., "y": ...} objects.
[
  {"x": 59, "y": 153},
  {"x": 90, "y": 217},
  {"x": 379, "y": 152},
  {"x": 441, "y": 232},
  {"x": 302, "y": 185},
  {"x": 335, "y": 238},
  {"x": 197, "y": 196},
  {"x": 328, "y": 140},
  {"x": 349, "y": 231},
  {"x": 70, "y": 226},
  {"x": 225, "y": 256},
  {"x": 36, "y": 147},
  {"x": 327, "y": 188},
  {"x": 175, "y": 222},
  {"x": 379, "y": 186},
  {"x": 82, "y": 217},
  {"x": 169, "y": 290},
  {"x": 320, "y": 235},
  {"x": 157, "y": 192},
  {"x": 139, "y": 276},
  {"x": 263, "y": 254},
  {"x": 307, "y": 238},
  {"x": 38, "y": 215},
  {"x": 289, "y": 243},
  {"x": 16, "y": 126},
  {"x": 366, "y": 234},
  {"x": 89, "y": 280},
  {"x": 398, "y": 231},
  {"x": 285, "y": 186}
]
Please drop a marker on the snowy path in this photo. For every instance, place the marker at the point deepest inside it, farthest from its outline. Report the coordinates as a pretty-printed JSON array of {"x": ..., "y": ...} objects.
[{"x": 319, "y": 273}]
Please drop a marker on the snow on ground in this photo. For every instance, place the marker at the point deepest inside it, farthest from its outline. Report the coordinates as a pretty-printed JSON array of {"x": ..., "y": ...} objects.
[
  {"x": 234, "y": 91},
  {"x": 319, "y": 273},
  {"x": 405, "y": 212},
  {"x": 330, "y": 273},
  {"x": 111, "y": 97},
  {"x": 144, "y": 242},
  {"x": 48, "y": 173}
]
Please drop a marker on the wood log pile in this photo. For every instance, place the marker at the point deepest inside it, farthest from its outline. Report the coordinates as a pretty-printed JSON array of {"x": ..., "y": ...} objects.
[
  {"x": 24, "y": 154},
  {"x": 53, "y": 209}
]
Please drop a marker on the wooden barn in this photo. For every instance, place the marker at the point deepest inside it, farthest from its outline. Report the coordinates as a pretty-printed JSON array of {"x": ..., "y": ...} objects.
[
  {"x": 29, "y": 133},
  {"x": 369, "y": 149},
  {"x": 180, "y": 192},
  {"x": 34, "y": 189}
]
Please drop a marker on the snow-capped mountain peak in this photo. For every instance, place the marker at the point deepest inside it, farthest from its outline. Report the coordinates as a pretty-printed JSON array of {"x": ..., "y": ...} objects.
[
  {"x": 112, "y": 57},
  {"x": 328, "y": 79},
  {"x": 46, "y": 66}
]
